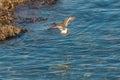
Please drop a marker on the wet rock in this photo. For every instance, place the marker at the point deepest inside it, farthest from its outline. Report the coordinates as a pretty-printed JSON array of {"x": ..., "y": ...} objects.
[
  {"x": 29, "y": 20},
  {"x": 6, "y": 18},
  {"x": 11, "y": 5},
  {"x": 49, "y": 2},
  {"x": 9, "y": 31}
]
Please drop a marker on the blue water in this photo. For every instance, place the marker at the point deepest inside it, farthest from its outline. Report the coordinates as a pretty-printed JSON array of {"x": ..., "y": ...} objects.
[{"x": 91, "y": 50}]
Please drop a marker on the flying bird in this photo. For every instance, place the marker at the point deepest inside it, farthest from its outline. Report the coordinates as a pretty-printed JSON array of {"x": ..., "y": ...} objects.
[{"x": 63, "y": 26}]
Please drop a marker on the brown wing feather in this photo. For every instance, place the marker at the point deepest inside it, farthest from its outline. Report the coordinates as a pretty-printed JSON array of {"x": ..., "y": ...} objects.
[{"x": 68, "y": 20}]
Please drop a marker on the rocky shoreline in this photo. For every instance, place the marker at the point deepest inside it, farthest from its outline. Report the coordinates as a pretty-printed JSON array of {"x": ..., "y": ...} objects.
[{"x": 7, "y": 7}]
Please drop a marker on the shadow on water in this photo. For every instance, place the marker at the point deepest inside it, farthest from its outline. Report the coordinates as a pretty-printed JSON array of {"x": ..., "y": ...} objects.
[{"x": 89, "y": 52}]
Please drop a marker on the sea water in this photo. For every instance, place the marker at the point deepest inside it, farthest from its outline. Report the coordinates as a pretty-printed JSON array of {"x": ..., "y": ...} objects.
[{"x": 91, "y": 50}]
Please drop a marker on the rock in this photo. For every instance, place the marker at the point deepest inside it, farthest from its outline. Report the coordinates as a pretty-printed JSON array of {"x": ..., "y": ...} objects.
[
  {"x": 9, "y": 31},
  {"x": 51, "y": 1}
]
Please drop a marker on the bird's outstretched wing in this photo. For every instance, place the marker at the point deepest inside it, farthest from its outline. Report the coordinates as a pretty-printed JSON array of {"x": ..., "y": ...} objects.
[
  {"x": 68, "y": 20},
  {"x": 56, "y": 26}
]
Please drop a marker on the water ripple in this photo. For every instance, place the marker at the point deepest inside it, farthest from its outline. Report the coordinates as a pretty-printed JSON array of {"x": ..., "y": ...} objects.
[{"x": 89, "y": 52}]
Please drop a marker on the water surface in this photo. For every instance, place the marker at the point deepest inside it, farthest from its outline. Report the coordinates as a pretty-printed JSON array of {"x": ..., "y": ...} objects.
[{"x": 91, "y": 51}]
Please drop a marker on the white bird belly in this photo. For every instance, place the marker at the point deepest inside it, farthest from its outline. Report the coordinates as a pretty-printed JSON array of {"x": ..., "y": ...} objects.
[{"x": 64, "y": 31}]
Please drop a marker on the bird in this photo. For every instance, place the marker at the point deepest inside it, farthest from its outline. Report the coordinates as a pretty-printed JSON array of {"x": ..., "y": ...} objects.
[{"x": 63, "y": 25}]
